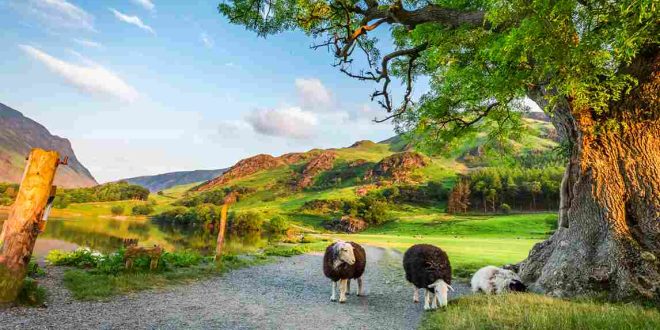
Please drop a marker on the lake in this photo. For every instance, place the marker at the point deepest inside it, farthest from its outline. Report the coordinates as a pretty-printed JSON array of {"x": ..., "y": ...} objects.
[{"x": 107, "y": 235}]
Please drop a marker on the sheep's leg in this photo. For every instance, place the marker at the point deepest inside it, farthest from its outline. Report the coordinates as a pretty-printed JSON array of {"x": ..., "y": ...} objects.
[
  {"x": 348, "y": 287},
  {"x": 333, "y": 297},
  {"x": 434, "y": 300},
  {"x": 342, "y": 290},
  {"x": 426, "y": 299},
  {"x": 415, "y": 294},
  {"x": 360, "y": 292}
]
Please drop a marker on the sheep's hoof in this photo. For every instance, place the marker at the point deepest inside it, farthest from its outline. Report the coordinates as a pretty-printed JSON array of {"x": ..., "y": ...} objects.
[
  {"x": 341, "y": 301},
  {"x": 415, "y": 301},
  {"x": 333, "y": 299}
]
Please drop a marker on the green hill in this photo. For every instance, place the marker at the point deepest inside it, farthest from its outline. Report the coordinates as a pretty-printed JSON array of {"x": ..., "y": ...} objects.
[{"x": 283, "y": 184}]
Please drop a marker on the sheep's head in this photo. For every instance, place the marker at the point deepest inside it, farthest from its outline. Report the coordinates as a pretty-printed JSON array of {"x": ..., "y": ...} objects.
[
  {"x": 442, "y": 289},
  {"x": 516, "y": 285},
  {"x": 343, "y": 252}
]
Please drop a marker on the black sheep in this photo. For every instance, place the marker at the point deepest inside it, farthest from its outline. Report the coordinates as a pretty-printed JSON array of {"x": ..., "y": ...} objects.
[
  {"x": 428, "y": 267},
  {"x": 342, "y": 262}
]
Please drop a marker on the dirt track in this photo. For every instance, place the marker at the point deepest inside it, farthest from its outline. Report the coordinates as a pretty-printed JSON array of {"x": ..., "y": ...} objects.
[{"x": 289, "y": 294}]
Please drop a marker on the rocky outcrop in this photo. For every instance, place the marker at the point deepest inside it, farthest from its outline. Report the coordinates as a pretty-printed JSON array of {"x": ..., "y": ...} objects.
[
  {"x": 397, "y": 167},
  {"x": 346, "y": 224},
  {"x": 322, "y": 162},
  {"x": 297, "y": 157},
  {"x": 19, "y": 134},
  {"x": 244, "y": 168}
]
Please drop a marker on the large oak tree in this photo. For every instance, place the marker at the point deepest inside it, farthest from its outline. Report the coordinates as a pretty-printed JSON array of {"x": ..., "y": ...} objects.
[{"x": 592, "y": 65}]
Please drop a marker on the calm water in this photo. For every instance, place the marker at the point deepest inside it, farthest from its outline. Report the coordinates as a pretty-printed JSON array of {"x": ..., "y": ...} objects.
[{"x": 107, "y": 235}]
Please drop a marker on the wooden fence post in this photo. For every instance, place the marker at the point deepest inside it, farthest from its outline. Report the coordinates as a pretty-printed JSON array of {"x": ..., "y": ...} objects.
[
  {"x": 21, "y": 228},
  {"x": 229, "y": 199}
]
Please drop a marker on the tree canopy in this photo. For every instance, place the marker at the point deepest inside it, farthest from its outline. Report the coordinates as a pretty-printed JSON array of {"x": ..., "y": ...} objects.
[{"x": 481, "y": 56}]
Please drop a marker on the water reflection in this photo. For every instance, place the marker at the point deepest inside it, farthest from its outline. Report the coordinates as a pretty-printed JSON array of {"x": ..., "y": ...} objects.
[{"x": 107, "y": 235}]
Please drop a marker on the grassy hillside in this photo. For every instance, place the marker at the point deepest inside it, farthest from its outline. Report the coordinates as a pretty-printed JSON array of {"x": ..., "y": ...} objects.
[{"x": 19, "y": 134}]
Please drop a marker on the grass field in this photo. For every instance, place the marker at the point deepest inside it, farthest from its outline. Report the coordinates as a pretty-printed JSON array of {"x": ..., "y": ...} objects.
[{"x": 532, "y": 311}]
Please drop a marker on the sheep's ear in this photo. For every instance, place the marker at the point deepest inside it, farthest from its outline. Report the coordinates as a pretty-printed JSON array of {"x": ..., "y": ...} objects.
[{"x": 449, "y": 286}]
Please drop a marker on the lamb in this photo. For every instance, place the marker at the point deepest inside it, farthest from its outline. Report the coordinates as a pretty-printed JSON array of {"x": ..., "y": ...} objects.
[
  {"x": 491, "y": 279},
  {"x": 342, "y": 262},
  {"x": 428, "y": 267}
]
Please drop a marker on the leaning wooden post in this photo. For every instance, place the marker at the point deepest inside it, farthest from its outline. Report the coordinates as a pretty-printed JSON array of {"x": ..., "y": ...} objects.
[
  {"x": 21, "y": 228},
  {"x": 229, "y": 199}
]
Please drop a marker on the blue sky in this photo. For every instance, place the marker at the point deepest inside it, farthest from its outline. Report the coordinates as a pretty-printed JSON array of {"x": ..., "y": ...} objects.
[{"x": 150, "y": 86}]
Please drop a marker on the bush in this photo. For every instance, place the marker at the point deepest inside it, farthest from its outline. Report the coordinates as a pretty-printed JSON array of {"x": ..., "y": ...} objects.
[
  {"x": 31, "y": 293},
  {"x": 142, "y": 209},
  {"x": 247, "y": 221},
  {"x": 374, "y": 211},
  {"x": 113, "y": 263},
  {"x": 117, "y": 210},
  {"x": 506, "y": 209},
  {"x": 278, "y": 224}
]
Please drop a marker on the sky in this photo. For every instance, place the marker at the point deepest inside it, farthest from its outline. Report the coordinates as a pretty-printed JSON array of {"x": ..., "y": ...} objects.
[{"x": 143, "y": 87}]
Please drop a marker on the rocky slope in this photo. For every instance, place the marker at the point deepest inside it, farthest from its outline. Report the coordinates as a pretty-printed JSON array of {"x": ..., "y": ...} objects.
[
  {"x": 167, "y": 180},
  {"x": 19, "y": 134}
]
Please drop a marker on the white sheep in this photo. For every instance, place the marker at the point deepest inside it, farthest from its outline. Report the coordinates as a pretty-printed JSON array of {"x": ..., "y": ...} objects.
[{"x": 491, "y": 279}]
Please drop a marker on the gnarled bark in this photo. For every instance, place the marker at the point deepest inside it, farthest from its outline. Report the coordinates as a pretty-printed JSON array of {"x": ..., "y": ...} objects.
[{"x": 608, "y": 238}]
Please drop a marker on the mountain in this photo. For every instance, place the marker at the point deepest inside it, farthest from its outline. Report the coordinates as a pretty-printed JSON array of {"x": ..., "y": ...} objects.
[
  {"x": 19, "y": 134},
  {"x": 366, "y": 163},
  {"x": 167, "y": 180}
]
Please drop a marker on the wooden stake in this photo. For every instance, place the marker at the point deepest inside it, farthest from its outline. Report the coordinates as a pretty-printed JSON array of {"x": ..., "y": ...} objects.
[
  {"x": 229, "y": 199},
  {"x": 21, "y": 228}
]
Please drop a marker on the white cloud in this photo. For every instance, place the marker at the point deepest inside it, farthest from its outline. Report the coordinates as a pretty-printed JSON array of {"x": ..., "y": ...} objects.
[
  {"x": 146, "y": 4},
  {"x": 91, "y": 78},
  {"x": 133, "y": 20},
  {"x": 88, "y": 43},
  {"x": 57, "y": 13},
  {"x": 291, "y": 122},
  {"x": 206, "y": 39},
  {"x": 313, "y": 94}
]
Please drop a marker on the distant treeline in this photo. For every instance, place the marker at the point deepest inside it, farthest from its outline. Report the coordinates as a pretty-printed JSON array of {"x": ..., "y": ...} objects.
[
  {"x": 109, "y": 192},
  {"x": 8, "y": 193},
  {"x": 503, "y": 189},
  {"x": 215, "y": 197}
]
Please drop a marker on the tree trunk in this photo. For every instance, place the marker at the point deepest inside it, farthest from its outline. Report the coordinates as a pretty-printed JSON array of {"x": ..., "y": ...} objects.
[
  {"x": 21, "y": 228},
  {"x": 608, "y": 237},
  {"x": 231, "y": 198},
  {"x": 221, "y": 233}
]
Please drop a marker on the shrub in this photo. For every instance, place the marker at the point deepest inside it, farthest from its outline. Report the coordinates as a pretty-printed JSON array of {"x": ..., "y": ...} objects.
[
  {"x": 506, "y": 209},
  {"x": 178, "y": 215},
  {"x": 117, "y": 210},
  {"x": 374, "y": 211},
  {"x": 142, "y": 209},
  {"x": 31, "y": 293},
  {"x": 247, "y": 221},
  {"x": 278, "y": 224}
]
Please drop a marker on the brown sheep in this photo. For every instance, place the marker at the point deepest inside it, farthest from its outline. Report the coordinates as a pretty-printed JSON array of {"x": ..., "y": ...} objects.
[{"x": 342, "y": 262}]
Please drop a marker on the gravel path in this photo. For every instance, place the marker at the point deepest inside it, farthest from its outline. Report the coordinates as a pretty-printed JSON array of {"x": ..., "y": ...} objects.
[{"x": 289, "y": 294}]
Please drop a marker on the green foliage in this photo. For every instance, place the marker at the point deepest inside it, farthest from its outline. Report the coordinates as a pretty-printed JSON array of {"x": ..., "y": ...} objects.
[
  {"x": 145, "y": 209},
  {"x": 578, "y": 50},
  {"x": 200, "y": 214},
  {"x": 506, "y": 209},
  {"x": 117, "y": 210},
  {"x": 518, "y": 188},
  {"x": 31, "y": 294},
  {"x": 33, "y": 269},
  {"x": 109, "y": 192},
  {"x": 113, "y": 263},
  {"x": 247, "y": 221},
  {"x": 8, "y": 193},
  {"x": 278, "y": 224},
  {"x": 285, "y": 251}
]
